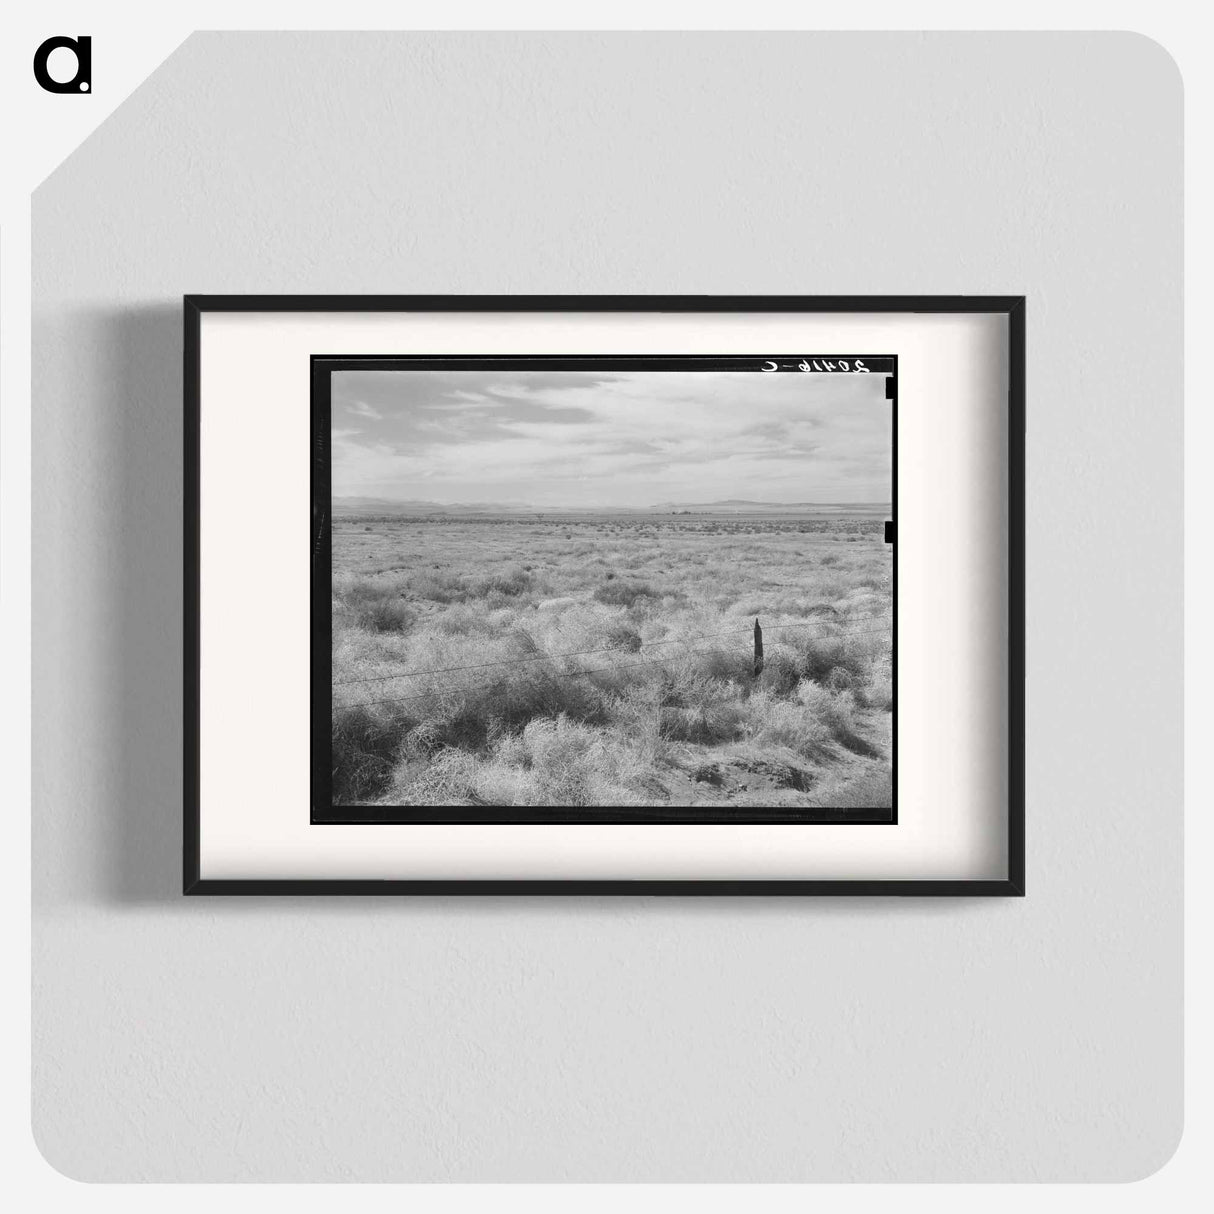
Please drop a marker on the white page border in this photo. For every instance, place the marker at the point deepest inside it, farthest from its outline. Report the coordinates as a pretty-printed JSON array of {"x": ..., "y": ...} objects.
[{"x": 255, "y": 619}]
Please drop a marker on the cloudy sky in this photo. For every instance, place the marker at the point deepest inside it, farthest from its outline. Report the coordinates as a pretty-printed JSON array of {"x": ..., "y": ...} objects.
[{"x": 610, "y": 438}]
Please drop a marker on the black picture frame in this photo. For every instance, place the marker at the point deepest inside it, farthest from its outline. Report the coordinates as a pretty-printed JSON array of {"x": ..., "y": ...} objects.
[{"x": 1012, "y": 307}]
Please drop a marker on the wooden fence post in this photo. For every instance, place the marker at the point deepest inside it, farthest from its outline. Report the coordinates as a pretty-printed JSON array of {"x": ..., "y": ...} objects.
[{"x": 758, "y": 648}]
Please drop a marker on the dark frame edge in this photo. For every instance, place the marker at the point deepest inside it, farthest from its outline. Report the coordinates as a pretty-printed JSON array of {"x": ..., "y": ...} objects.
[
  {"x": 926, "y": 304},
  {"x": 1017, "y": 635},
  {"x": 192, "y": 310},
  {"x": 577, "y": 888}
]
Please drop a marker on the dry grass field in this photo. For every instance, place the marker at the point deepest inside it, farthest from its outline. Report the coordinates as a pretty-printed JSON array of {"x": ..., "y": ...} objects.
[{"x": 585, "y": 660}]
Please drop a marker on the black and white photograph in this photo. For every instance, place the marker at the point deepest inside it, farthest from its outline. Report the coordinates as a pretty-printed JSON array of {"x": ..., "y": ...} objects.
[{"x": 604, "y": 589}]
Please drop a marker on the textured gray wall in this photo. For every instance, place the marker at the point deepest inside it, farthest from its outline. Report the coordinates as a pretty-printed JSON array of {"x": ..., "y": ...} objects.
[{"x": 629, "y": 1039}]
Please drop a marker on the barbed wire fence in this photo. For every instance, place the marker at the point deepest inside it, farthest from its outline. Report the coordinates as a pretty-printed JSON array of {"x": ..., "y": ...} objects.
[{"x": 609, "y": 668}]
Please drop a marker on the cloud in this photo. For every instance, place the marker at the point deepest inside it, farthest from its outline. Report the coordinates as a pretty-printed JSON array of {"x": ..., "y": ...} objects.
[{"x": 626, "y": 438}]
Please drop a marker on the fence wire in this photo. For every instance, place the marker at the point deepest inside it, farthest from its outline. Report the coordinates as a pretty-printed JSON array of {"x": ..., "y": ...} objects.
[
  {"x": 578, "y": 653},
  {"x": 611, "y": 668}
]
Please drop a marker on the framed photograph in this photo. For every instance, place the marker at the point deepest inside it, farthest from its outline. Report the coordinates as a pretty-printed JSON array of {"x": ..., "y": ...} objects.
[{"x": 604, "y": 595}]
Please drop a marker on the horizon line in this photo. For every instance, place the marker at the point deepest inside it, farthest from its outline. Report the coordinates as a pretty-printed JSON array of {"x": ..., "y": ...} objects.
[{"x": 337, "y": 497}]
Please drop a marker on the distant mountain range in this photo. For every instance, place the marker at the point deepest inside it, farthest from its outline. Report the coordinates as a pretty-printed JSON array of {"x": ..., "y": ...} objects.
[
  {"x": 380, "y": 505},
  {"x": 739, "y": 505},
  {"x": 345, "y": 506}
]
